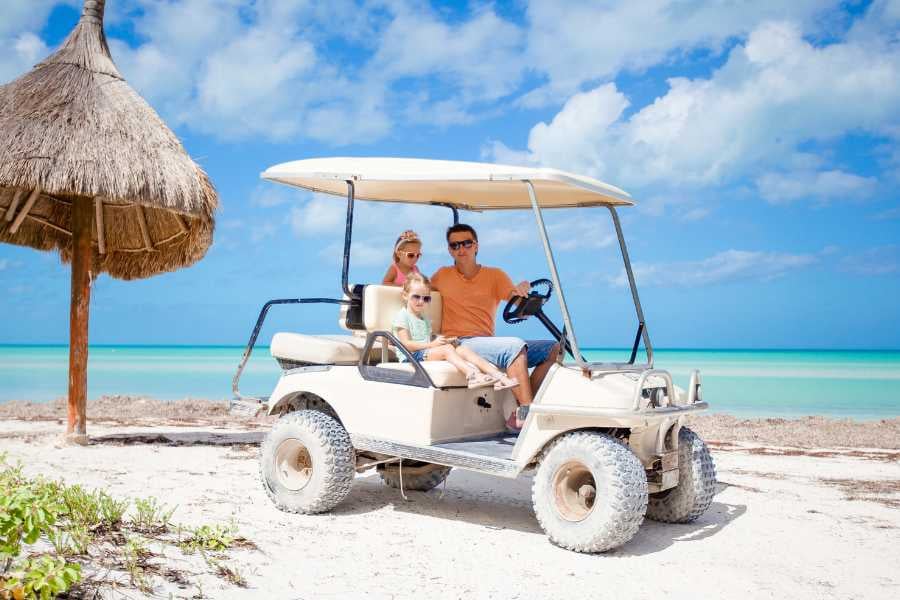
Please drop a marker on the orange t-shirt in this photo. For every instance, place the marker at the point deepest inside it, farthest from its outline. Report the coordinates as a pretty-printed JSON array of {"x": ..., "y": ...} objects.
[{"x": 470, "y": 305}]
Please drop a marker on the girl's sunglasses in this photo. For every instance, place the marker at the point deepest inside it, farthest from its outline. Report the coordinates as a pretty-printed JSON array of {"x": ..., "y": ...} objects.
[
  {"x": 463, "y": 243},
  {"x": 419, "y": 298},
  {"x": 412, "y": 255}
]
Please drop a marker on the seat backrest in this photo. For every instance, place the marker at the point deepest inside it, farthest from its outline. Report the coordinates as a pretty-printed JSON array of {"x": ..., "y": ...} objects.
[{"x": 382, "y": 302}]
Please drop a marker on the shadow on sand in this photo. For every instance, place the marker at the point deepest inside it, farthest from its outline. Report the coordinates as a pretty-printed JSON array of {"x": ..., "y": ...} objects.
[
  {"x": 475, "y": 498},
  {"x": 182, "y": 438},
  {"x": 497, "y": 503}
]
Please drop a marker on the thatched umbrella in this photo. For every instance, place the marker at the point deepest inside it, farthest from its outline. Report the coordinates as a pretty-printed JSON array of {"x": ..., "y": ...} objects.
[{"x": 89, "y": 169}]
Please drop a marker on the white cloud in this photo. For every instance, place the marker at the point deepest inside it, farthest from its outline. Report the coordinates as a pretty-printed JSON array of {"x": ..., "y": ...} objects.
[
  {"x": 694, "y": 214},
  {"x": 881, "y": 260},
  {"x": 363, "y": 253},
  {"x": 266, "y": 195},
  {"x": 682, "y": 208},
  {"x": 277, "y": 70},
  {"x": 236, "y": 71},
  {"x": 580, "y": 130},
  {"x": 243, "y": 82},
  {"x": 728, "y": 266},
  {"x": 229, "y": 224},
  {"x": 775, "y": 92},
  {"x": 481, "y": 58},
  {"x": 19, "y": 54},
  {"x": 497, "y": 151},
  {"x": 262, "y": 231},
  {"x": 579, "y": 233},
  {"x": 820, "y": 187},
  {"x": 27, "y": 15},
  {"x": 30, "y": 47},
  {"x": 321, "y": 215},
  {"x": 574, "y": 42},
  {"x": 501, "y": 237},
  {"x": 375, "y": 223},
  {"x": 889, "y": 214}
]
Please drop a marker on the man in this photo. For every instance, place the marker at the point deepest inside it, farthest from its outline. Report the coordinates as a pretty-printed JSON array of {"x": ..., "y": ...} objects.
[{"x": 471, "y": 293}]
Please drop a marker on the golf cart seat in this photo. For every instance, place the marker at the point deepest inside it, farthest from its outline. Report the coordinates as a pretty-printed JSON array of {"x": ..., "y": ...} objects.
[
  {"x": 297, "y": 349},
  {"x": 380, "y": 306},
  {"x": 442, "y": 373},
  {"x": 381, "y": 303}
]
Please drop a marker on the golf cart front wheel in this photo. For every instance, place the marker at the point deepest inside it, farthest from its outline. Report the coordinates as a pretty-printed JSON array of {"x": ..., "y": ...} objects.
[
  {"x": 307, "y": 462},
  {"x": 696, "y": 483},
  {"x": 421, "y": 477},
  {"x": 589, "y": 492}
]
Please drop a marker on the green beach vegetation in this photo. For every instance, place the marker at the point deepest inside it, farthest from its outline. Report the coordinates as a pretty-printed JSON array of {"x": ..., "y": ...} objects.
[{"x": 57, "y": 538}]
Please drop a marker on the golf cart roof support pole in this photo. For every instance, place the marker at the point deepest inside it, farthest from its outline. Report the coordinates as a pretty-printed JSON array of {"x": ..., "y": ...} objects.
[
  {"x": 348, "y": 236},
  {"x": 634, "y": 292},
  {"x": 554, "y": 274},
  {"x": 451, "y": 207}
]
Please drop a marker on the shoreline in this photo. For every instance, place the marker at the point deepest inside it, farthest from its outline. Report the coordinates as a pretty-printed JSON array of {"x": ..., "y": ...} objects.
[{"x": 811, "y": 431}]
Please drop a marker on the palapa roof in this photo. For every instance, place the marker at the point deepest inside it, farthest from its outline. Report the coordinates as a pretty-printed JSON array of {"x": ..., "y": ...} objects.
[{"x": 72, "y": 127}]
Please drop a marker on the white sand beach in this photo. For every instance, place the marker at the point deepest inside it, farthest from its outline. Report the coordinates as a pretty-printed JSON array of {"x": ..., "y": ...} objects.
[{"x": 798, "y": 521}]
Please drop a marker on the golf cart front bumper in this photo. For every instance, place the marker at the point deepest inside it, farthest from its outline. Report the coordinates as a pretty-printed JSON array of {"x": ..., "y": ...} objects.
[{"x": 617, "y": 413}]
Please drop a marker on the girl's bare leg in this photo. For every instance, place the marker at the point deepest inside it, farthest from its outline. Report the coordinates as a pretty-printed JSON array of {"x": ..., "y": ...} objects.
[
  {"x": 448, "y": 353},
  {"x": 482, "y": 365}
]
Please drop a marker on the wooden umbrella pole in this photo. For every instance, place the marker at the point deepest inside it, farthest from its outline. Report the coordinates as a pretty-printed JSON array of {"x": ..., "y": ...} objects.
[{"x": 82, "y": 219}]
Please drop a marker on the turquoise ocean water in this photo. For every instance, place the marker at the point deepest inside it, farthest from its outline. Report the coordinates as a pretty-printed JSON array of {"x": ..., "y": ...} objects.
[{"x": 858, "y": 384}]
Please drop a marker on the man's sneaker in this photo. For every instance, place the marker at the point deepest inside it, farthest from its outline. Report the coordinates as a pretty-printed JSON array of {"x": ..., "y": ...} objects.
[
  {"x": 522, "y": 414},
  {"x": 516, "y": 419},
  {"x": 511, "y": 424}
]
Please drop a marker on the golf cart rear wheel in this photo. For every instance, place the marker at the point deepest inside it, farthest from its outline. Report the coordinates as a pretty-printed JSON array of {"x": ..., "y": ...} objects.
[
  {"x": 696, "y": 483},
  {"x": 421, "y": 477},
  {"x": 307, "y": 462},
  {"x": 589, "y": 492}
]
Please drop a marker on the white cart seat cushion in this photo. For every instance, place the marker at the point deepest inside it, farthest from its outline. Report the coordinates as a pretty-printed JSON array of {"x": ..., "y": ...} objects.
[
  {"x": 442, "y": 373},
  {"x": 318, "y": 349},
  {"x": 382, "y": 302}
]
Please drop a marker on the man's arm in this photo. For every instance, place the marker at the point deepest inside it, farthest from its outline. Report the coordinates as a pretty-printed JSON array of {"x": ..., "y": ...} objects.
[
  {"x": 436, "y": 280},
  {"x": 505, "y": 289},
  {"x": 521, "y": 289}
]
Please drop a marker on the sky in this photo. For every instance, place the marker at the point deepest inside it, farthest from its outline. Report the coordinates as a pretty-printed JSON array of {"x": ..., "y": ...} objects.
[{"x": 760, "y": 140}]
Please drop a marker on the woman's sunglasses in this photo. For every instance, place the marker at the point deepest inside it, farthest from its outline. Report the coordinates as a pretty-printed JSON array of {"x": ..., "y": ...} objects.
[
  {"x": 412, "y": 255},
  {"x": 463, "y": 243},
  {"x": 419, "y": 298}
]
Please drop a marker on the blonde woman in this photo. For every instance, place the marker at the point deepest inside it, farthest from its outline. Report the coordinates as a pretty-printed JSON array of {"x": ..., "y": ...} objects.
[{"x": 407, "y": 251}]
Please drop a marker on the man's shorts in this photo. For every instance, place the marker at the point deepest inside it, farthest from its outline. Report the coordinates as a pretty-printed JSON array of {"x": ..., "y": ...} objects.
[{"x": 502, "y": 350}]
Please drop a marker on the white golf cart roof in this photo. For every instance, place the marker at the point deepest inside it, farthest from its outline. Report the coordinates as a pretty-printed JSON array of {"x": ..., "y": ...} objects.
[{"x": 465, "y": 185}]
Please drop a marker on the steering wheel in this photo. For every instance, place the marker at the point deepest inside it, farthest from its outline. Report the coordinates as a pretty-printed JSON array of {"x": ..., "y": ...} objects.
[{"x": 519, "y": 308}]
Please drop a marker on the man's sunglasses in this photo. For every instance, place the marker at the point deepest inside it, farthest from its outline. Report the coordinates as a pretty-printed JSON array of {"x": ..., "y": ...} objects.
[
  {"x": 419, "y": 298},
  {"x": 412, "y": 255},
  {"x": 463, "y": 243}
]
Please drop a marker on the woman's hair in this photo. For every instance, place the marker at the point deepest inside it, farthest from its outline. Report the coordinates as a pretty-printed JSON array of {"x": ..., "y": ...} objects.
[
  {"x": 407, "y": 237},
  {"x": 414, "y": 278}
]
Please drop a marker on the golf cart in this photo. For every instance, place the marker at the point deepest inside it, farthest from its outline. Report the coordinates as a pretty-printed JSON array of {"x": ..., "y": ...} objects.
[{"x": 606, "y": 440}]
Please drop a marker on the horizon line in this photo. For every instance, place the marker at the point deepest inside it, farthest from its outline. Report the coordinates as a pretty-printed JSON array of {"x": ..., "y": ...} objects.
[{"x": 586, "y": 348}]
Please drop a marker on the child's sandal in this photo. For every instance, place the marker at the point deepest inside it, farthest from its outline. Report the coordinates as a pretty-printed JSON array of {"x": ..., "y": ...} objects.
[{"x": 480, "y": 380}]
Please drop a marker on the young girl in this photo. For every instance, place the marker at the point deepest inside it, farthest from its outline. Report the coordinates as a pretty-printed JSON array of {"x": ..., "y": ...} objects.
[
  {"x": 413, "y": 327},
  {"x": 407, "y": 251}
]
